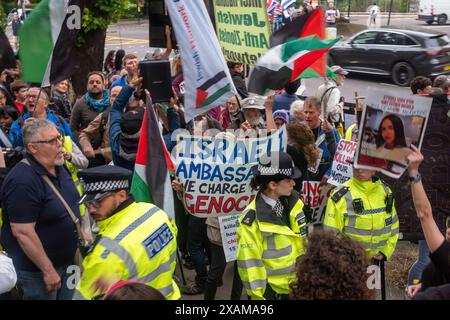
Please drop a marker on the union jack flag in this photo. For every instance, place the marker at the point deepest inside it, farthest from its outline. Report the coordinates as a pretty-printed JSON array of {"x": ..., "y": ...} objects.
[
  {"x": 286, "y": 4},
  {"x": 271, "y": 6}
]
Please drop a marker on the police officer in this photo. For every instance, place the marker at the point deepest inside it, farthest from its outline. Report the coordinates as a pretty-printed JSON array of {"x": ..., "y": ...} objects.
[
  {"x": 272, "y": 229},
  {"x": 363, "y": 208},
  {"x": 136, "y": 241}
]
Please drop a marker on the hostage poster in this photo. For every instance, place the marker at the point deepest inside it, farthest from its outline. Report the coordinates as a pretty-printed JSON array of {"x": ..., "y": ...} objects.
[{"x": 391, "y": 122}]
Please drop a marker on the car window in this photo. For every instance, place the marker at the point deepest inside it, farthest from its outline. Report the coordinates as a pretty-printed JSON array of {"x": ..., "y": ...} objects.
[
  {"x": 403, "y": 40},
  {"x": 388, "y": 38},
  {"x": 441, "y": 41},
  {"x": 365, "y": 38}
]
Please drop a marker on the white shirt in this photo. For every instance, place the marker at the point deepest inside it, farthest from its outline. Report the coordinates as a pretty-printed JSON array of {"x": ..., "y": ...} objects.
[
  {"x": 396, "y": 154},
  {"x": 8, "y": 276},
  {"x": 268, "y": 200}
]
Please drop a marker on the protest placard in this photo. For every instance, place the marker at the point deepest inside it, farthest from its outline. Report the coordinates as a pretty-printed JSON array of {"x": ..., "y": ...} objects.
[
  {"x": 215, "y": 170},
  {"x": 242, "y": 29},
  {"x": 342, "y": 168},
  {"x": 391, "y": 122},
  {"x": 315, "y": 196},
  {"x": 228, "y": 230}
]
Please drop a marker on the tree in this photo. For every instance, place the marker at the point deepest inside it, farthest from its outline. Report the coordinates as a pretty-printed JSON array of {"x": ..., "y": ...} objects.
[
  {"x": 97, "y": 16},
  {"x": 2, "y": 17}
]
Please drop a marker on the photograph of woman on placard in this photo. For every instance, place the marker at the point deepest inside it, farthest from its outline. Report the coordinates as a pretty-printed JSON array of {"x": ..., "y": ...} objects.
[{"x": 390, "y": 140}]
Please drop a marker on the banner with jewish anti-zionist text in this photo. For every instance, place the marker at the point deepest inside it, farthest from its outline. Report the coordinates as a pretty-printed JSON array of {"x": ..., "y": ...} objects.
[
  {"x": 342, "y": 168},
  {"x": 242, "y": 29},
  {"x": 391, "y": 122},
  {"x": 215, "y": 170},
  {"x": 207, "y": 79}
]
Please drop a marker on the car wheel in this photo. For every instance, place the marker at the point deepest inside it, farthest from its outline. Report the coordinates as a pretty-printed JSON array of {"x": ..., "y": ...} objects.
[
  {"x": 402, "y": 74},
  {"x": 442, "y": 19},
  {"x": 429, "y": 21}
]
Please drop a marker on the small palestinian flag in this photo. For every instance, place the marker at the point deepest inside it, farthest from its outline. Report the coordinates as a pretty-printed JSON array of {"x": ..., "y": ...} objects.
[
  {"x": 47, "y": 41},
  {"x": 286, "y": 62},
  {"x": 203, "y": 96}
]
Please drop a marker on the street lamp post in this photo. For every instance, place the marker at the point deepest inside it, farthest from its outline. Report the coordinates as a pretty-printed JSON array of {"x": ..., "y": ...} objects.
[{"x": 349, "y": 4}]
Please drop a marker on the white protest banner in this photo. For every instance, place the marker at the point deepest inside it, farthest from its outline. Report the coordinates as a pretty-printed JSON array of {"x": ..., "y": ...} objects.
[
  {"x": 315, "y": 196},
  {"x": 207, "y": 79},
  {"x": 391, "y": 122},
  {"x": 228, "y": 227},
  {"x": 215, "y": 170},
  {"x": 342, "y": 168}
]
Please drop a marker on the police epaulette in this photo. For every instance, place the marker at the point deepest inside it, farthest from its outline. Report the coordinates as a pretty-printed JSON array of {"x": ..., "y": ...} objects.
[
  {"x": 339, "y": 194},
  {"x": 249, "y": 218}
]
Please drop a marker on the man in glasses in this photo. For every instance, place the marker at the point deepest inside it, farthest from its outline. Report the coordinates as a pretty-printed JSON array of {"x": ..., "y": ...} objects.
[
  {"x": 36, "y": 105},
  {"x": 136, "y": 241},
  {"x": 37, "y": 232}
]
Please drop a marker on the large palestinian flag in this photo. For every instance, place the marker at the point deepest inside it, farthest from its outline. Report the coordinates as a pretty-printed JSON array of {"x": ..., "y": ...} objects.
[
  {"x": 312, "y": 23},
  {"x": 151, "y": 178},
  {"x": 286, "y": 62},
  {"x": 47, "y": 41}
]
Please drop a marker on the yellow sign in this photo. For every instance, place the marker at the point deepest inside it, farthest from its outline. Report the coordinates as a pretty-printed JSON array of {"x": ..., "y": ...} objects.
[
  {"x": 242, "y": 29},
  {"x": 447, "y": 68}
]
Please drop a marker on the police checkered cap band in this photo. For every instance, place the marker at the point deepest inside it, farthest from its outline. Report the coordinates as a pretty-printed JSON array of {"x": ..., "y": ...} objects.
[
  {"x": 105, "y": 186},
  {"x": 273, "y": 171}
]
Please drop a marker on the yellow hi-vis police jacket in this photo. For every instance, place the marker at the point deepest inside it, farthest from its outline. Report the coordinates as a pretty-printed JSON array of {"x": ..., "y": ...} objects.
[
  {"x": 137, "y": 243},
  {"x": 74, "y": 171},
  {"x": 365, "y": 211},
  {"x": 267, "y": 248}
]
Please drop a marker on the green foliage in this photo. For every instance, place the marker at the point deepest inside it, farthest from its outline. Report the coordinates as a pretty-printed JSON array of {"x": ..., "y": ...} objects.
[
  {"x": 2, "y": 18},
  {"x": 98, "y": 15}
]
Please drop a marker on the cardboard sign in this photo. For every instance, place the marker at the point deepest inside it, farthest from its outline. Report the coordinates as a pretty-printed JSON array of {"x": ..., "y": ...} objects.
[
  {"x": 316, "y": 196},
  {"x": 342, "y": 168},
  {"x": 228, "y": 229}
]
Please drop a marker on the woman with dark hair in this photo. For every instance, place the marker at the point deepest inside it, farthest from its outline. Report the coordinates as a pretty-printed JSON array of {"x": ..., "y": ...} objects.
[
  {"x": 333, "y": 268},
  {"x": 390, "y": 141},
  {"x": 118, "y": 63},
  {"x": 303, "y": 150},
  {"x": 8, "y": 115},
  {"x": 272, "y": 232},
  {"x": 109, "y": 64},
  {"x": 5, "y": 97}
]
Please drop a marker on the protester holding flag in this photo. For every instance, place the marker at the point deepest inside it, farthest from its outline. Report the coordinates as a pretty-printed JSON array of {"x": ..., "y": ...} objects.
[
  {"x": 272, "y": 231},
  {"x": 238, "y": 78}
]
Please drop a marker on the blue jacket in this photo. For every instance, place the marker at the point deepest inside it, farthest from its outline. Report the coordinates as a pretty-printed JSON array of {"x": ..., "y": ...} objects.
[
  {"x": 328, "y": 146},
  {"x": 283, "y": 101},
  {"x": 115, "y": 131},
  {"x": 15, "y": 134},
  {"x": 174, "y": 123},
  {"x": 121, "y": 82}
]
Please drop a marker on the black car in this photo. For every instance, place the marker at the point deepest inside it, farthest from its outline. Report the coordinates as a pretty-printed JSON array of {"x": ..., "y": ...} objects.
[{"x": 398, "y": 53}]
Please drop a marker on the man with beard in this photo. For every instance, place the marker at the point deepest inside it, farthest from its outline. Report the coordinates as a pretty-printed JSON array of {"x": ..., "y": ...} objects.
[
  {"x": 253, "y": 108},
  {"x": 95, "y": 101},
  {"x": 37, "y": 231}
]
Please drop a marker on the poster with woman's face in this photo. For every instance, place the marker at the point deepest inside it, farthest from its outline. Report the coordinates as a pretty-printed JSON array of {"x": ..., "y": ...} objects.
[{"x": 390, "y": 123}]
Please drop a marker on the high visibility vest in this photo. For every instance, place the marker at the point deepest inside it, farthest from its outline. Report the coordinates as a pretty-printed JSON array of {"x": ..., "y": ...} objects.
[
  {"x": 267, "y": 251},
  {"x": 137, "y": 243},
  {"x": 361, "y": 210},
  {"x": 74, "y": 171},
  {"x": 349, "y": 133}
]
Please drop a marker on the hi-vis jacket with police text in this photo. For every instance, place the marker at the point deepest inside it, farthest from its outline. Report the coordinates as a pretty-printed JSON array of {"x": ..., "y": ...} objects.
[
  {"x": 362, "y": 210},
  {"x": 267, "y": 247},
  {"x": 137, "y": 243}
]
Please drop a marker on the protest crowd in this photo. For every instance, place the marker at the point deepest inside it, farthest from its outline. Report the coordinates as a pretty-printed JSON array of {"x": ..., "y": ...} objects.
[{"x": 280, "y": 186}]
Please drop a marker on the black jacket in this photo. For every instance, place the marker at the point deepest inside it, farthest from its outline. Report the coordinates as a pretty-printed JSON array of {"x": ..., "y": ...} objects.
[{"x": 239, "y": 83}]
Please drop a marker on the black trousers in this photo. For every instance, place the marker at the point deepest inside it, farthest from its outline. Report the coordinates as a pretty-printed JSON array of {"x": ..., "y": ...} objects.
[{"x": 215, "y": 274}]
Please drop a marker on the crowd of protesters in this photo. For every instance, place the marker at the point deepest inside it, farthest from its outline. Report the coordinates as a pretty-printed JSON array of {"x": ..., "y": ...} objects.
[{"x": 277, "y": 257}]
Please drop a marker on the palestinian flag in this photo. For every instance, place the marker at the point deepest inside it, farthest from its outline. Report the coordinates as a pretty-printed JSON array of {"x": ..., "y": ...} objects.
[
  {"x": 219, "y": 86},
  {"x": 151, "y": 178},
  {"x": 47, "y": 41},
  {"x": 286, "y": 62},
  {"x": 312, "y": 23},
  {"x": 7, "y": 58}
]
